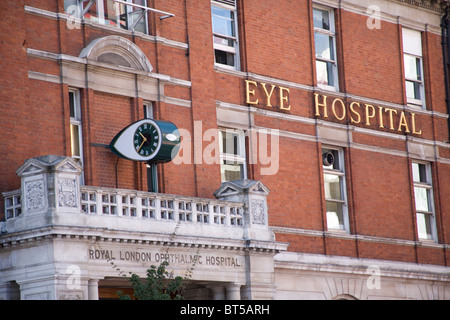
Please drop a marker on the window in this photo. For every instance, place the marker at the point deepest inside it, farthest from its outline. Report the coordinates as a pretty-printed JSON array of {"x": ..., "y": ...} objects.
[
  {"x": 224, "y": 27},
  {"x": 232, "y": 155},
  {"x": 152, "y": 172},
  {"x": 335, "y": 190},
  {"x": 325, "y": 48},
  {"x": 75, "y": 125},
  {"x": 413, "y": 62},
  {"x": 148, "y": 110},
  {"x": 112, "y": 13},
  {"x": 423, "y": 195}
]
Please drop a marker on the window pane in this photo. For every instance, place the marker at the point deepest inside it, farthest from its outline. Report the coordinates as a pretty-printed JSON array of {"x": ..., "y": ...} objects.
[
  {"x": 148, "y": 110},
  {"x": 223, "y": 57},
  {"x": 72, "y": 104},
  {"x": 336, "y": 162},
  {"x": 92, "y": 13},
  {"x": 230, "y": 172},
  {"x": 424, "y": 226},
  {"x": 335, "y": 216},
  {"x": 419, "y": 172},
  {"x": 422, "y": 199},
  {"x": 321, "y": 19},
  {"x": 324, "y": 72},
  {"x": 412, "y": 68},
  {"x": 332, "y": 186},
  {"x": 75, "y": 140},
  {"x": 223, "y": 21},
  {"x": 115, "y": 14},
  {"x": 134, "y": 14},
  {"x": 412, "y": 42},
  {"x": 324, "y": 46},
  {"x": 230, "y": 143},
  {"x": 68, "y": 3},
  {"x": 223, "y": 41},
  {"x": 413, "y": 90}
]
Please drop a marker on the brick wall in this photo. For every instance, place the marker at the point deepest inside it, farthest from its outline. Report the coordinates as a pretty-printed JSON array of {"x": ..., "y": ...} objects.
[{"x": 276, "y": 42}]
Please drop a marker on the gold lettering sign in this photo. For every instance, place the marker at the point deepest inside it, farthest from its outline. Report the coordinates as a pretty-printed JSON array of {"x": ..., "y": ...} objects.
[
  {"x": 268, "y": 92},
  {"x": 277, "y": 97},
  {"x": 367, "y": 114}
]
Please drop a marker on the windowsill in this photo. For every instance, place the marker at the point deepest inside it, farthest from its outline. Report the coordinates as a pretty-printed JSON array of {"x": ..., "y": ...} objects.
[
  {"x": 417, "y": 103},
  {"x": 338, "y": 231},
  {"x": 416, "y": 106},
  {"x": 230, "y": 71},
  {"x": 327, "y": 88},
  {"x": 339, "y": 234},
  {"x": 429, "y": 243},
  {"x": 426, "y": 240},
  {"x": 224, "y": 66}
]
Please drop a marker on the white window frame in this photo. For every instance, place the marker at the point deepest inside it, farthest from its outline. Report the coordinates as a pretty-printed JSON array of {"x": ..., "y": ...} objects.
[
  {"x": 148, "y": 109},
  {"x": 341, "y": 174},
  {"x": 331, "y": 33},
  {"x": 240, "y": 158},
  {"x": 233, "y": 50},
  {"x": 415, "y": 53},
  {"x": 428, "y": 186},
  {"x": 76, "y": 122}
]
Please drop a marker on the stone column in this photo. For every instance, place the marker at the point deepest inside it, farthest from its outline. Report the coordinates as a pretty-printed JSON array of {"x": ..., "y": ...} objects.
[
  {"x": 260, "y": 244},
  {"x": 233, "y": 291},
  {"x": 93, "y": 289},
  {"x": 9, "y": 291},
  {"x": 218, "y": 293}
]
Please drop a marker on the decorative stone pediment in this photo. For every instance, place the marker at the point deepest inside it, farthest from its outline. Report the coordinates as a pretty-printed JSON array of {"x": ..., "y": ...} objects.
[
  {"x": 31, "y": 168},
  {"x": 68, "y": 166},
  {"x": 231, "y": 188},
  {"x": 118, "y": 51},
  {"x": 49, "y": 183},
  {"x": 47, "y": 163},
  {"x": 253, "y": 194}
]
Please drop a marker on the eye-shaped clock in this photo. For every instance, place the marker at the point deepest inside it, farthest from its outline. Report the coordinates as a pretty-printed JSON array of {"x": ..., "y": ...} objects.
[{"x": 147, "y": 140}]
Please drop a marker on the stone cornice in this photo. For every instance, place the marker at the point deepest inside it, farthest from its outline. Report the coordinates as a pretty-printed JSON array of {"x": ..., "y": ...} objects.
[
  {"x": 73, "y": 233},
  {"x": 435, "y": 5},
  {"x": 354, "y": 266}
]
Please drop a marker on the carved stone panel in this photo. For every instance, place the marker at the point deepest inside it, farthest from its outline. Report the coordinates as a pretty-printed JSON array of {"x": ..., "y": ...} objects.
[
  {"x": 67, "y": 193},
  {"x": 257, "y": 212},
  {"x": 35, "y": 195}
]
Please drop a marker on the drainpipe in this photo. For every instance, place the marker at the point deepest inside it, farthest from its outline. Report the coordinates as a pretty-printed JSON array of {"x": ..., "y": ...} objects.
[{"x": 445, "y": 25}]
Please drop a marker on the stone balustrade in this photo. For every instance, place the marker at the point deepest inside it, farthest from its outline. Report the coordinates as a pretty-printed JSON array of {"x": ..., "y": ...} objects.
[
  {"x": 160, "y": 207},
  {"x": 52, "y": 195}
]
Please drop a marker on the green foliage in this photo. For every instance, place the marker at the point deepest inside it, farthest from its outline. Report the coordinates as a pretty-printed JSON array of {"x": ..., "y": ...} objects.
[{"x": 159, "y": 285}]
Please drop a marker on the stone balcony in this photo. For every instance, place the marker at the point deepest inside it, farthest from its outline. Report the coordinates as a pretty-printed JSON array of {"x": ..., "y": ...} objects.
[
  {"x": 54, "y": 225},
  {"x": 52, "y": 196}
]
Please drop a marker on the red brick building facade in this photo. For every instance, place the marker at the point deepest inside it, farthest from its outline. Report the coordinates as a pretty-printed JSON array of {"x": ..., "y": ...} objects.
[{"x": 364, "y": 84}]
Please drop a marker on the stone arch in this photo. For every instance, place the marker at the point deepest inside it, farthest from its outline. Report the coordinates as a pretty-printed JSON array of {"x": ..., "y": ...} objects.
[
  {"x": 345, "y": 297},
  {"x": 118, "y": 51}
]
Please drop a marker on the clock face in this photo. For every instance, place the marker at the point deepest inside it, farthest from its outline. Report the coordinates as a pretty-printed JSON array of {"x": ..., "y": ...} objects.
[{"x": 146, "y": 139}]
